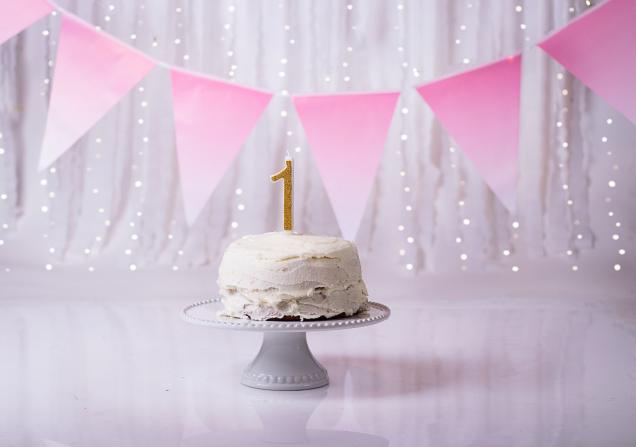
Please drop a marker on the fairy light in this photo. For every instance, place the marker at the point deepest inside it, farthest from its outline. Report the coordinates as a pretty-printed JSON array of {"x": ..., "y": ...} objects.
[
  {"x": 611, "y": 185},
  {"x": 563, "y": 155},
  {"x": 135, "y": 221},
  {"x": 49, "y": 195},
  {"x": 3, "y": 196},
  {"x": 46, "y": 182},
  {"x": 180, "y": 36},
  {"x": 350, "y": 18},
  {"x": 402, "y": 145},
  {"x": 454, "y": 160}
]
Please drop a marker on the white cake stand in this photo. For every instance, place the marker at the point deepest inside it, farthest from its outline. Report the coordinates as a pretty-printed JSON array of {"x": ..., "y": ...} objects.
[{"x": 284, "y": 361}]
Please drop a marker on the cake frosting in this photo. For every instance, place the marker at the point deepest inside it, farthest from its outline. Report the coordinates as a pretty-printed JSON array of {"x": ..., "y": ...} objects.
[{"x": 283, "y": 274}]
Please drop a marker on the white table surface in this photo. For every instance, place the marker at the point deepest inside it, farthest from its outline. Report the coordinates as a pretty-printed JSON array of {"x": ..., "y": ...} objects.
[{"x": 468, "y": 360}]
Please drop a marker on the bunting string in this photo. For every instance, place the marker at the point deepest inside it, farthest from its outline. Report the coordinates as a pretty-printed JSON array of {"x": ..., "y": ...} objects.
[{"x": 478, "y": 107}]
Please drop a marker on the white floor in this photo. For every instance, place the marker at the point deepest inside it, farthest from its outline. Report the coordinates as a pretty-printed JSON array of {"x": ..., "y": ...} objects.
[{"x": 105, "y": 360}]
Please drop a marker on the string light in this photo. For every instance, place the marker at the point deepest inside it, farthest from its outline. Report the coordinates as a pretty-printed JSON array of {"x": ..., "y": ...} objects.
[
  {"x": 404, "y": 138},
  {"x": 612, "y": 184},
  {"x": 135, "y": 221},
  {"x": 564, "y": 155}
]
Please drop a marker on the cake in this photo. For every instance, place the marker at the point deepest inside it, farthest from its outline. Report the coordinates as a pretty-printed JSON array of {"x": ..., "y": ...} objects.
[{"x": 289, "y": 276}]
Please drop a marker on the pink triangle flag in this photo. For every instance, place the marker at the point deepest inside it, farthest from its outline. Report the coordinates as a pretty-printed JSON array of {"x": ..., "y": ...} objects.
[
  {"x": 93, "y": 73},
  {"x": 479, "y": 108},
  {"x": 347, "y": 133},
  {"x": 18, "y": 15},
  {"x": 599, "y": 48},
  {"x": 212, "y": 120}
]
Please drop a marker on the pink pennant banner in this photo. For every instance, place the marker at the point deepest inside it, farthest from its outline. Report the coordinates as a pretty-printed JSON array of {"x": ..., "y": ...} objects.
[
  {"x": 16, "y": 15},
  {"x": 212, "y": 120},
  {"x": 599, "y": 48},
  {"x": 479, "y": 108},
  {"x": 347, "y": 133},
  {"x": 93, "y": 73}
]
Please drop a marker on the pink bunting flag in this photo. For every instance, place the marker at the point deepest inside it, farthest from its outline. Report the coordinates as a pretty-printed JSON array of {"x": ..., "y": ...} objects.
[
  {"x": 347, "y": 133},
  {"x": 479, "y": 108},
  {"x": 17, "y": 15},
  {"x": 212, "y": 120},
  {"x": 93, "y": 73},
  {"x": 599, "y": 48}
]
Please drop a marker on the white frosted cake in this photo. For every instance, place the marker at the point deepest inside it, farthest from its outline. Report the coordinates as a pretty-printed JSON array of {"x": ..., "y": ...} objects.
[{"x": 285, "y": 275}]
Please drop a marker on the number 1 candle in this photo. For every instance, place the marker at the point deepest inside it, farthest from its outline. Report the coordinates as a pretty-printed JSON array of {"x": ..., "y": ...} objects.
[{"x": 286, "y": 174}]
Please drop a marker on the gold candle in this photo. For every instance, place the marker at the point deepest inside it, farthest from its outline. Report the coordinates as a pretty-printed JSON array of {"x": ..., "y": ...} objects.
[{"x": 286, "y": 175}]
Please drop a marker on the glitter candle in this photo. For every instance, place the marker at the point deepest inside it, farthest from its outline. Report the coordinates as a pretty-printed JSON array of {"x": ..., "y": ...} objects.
[{"x": 286, "y": 174}]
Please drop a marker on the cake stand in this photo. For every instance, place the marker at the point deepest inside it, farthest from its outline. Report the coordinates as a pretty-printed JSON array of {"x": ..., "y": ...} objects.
[{"x": 284, "y": 361}]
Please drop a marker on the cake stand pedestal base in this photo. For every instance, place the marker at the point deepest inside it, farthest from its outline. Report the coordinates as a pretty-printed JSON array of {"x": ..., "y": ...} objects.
[{"x": 285, "y": 363}]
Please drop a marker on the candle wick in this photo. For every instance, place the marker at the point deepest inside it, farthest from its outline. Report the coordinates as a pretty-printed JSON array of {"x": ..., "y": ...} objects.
[{"x": 288, "y": 156}]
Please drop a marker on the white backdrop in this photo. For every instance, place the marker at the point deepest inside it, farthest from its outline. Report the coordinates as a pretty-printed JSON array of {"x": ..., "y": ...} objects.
[{"x": 113, "y": 200}]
